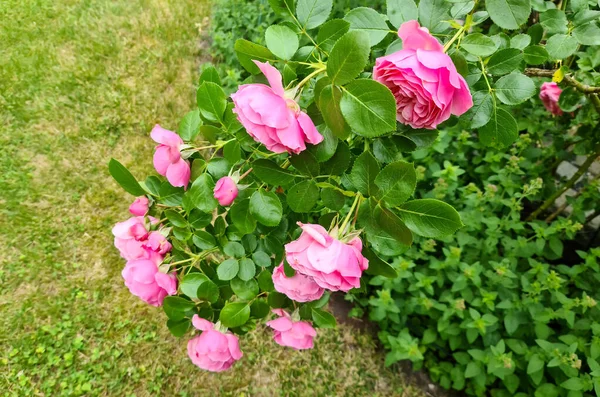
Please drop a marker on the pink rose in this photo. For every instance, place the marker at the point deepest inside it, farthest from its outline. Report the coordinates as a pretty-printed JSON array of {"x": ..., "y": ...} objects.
[
  {"x": 333, "y": 265},
  {"x": 139, "y": 207},
  {"x": 299, "y": 288},
  {"x": 145, "y": 281},
  {"x": 423, "y": 79},
  {"x": 167, "y": 157},
  {"x": 134, "y": 241},
  {"x": 298, "y": 335},
  {"x": 549, "y": 94},
  {"x": 272, "y": 119},
  {"x": 158, "y": 243},
  {"x": 226, "y": 191},
  {"x": 213, "y": 350}
]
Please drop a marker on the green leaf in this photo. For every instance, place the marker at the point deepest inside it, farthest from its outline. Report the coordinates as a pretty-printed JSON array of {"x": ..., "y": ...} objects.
[
  {"x": 260, "y": 308},
  {"x": 322, "y": 318},
  {"x": 179, "y": 328},
  {"x": 363, "y": 174},
  {"x": 535, "y": 364},
  {"x": 479, "y": 45},
  {"x": 459, "y": 10},
  {"x": 330, "y": 33},
  {"x": 265, "y": 281},
  {"x": 282, "y": 41},
  {"x": 511, "y": 382},
  {"x": 189, "y": 127},
  {"x": 209, "y": 73},
  {"x": 392, "y": 225},
  {"x": 514, "y": 88},
  {"x": 247, "y": 51},
  {"x": 277, "y": 300},
  {"x": 242, "y": 217},
  {"x": 348, "y": 57},
  {"x": 288, "y": 270},
  {"x": 312, "y": 13},
  {"x": 511, "y": 322},
  {"x": 211, "y": 101},
  {"x": 201, "y": 194},
  {"x": 520, "y": 41},
  {"x": 199, "y": 219},
  {"x": 234, "y": 249},
  {"x": 502, "y": 129},
  {"x": 400, "y": 11},
  {"x": 554, "y": 21},
  {"x": 585, "y": 16},
  {"x": 369, "y": 21},
  {"x": 208, "y": 291},
  {"x": 283, "y": 7},
  {"x": 481, "y": 112},
  {"x": 588, "y": 34},
  {"x": 228, "y": 269},
  {"x": 333, "y": 199},
  {"x": 508, "y": 14},
  {"x": 547, "y": 390},
  {"x": 218, "y": 167},
  {"x": 561, "y": 46},
  {"x": 203, "y": 240},
  {"x": 369, "y": 108},
  {"x": 326, "y": 149},
  {"x": 270, "y": 173},
  {"x": 247, "y": 269},
  {"x": 504, "y": 61},
  {"x": 235, "y": 314},
  {"x": 176, "y": 218},
  {"x": 232, "y": 152},
  {"x": 535, "y": 55},
  {"x": 377, "y": 266},
  {"x": 329, "y": 105},
  {"x": 245, "y": 290},
  {"x": 190, "y": 284},
  {"x": 422, "y": 137},
  {"x": 176, "y": 307},
  {"x": 433, "y": 14},
  {"x": 125, "y": 178},
  {"x": 261, "y": 259},
  {"x": 473, "y": 369},
  {"x": 266, "y": 207},
  {"x": 397, "y": 182},
  {"x": 306, "y": 163},
  {"x": 575, "y": 384},
  {"x": 303, "y": 196},
  {"x": 430, "y": 218},
  {"x": 340, "y": 161}
]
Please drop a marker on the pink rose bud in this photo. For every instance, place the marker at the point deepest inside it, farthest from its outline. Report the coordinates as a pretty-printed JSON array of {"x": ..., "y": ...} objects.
[
  {"x": 167, "y": 158},
  {"x": 298, "y": 335},
  {"x": 213, "y": 350},
  {"x": 272, "y": 119},
  {"x": 226, "y": 191},
  {"x": 423, "y": 79},
  {"x": 130, "y": 237},
  {"x": 158, "y": 243},
  {"x": 299, "y": 288},
  {"x": 549, "y": 94},
  {"x": 145, "y": 281},
  {"x": 333, "y": 265},
  {"x": 139, "y": 207}
]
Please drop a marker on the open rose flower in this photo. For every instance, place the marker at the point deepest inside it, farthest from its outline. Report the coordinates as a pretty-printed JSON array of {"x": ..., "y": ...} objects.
[
  {"x": 139, "y": 207},
  {"x": 300, "y": 288},
  {"x": 272, "y": 119},
  {"x": 423, "y": 79},
  {"x": 549, "y": 94},
  {"x": 134, "y": 241},
  {"x": 145, "y": 281},
  {"x": 213, "y": 350},
  {"x": 225, "y": 191},
  {"x": 167, "y": 157},
  {"x": 333, "y": 265},
  {"x": 298, "y": 335}
]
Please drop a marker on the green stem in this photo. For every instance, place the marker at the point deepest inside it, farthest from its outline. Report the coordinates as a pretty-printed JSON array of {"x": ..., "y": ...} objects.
[
  {"x": 584, "y": 167},
  {"x": 310, "y": 76},
  {"x": 347, "y": 219},
  {"x": 458, "y": 34}
]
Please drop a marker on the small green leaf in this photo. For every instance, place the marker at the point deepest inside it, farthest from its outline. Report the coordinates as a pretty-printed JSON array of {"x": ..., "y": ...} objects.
[
  {"x": 535, "y": 55},
  {"x": 261, "y": 259},
  {"x": 393, "y": 226},
  {"x": 270, "y": 173},
  {"x": 369, "y": 21},
  {"x": 209, "y": 73},
  {"x": 241, "y": 216},
  {"x": 481, "y": 112},
  {"x": 203, "y": 240},
  {"x": 338, "y": 164},
  {"x": 245, "y": 290},
  {"x": 266, "y": 208},
  {"x": 125, "y": 178},
  {"x": 348, "y": 57},
  {"x": 369, "y": 108},
  {"x": 282, "y": 41},
  {"x": 377, "y": 266},
  {"x": 306, "y": 163},
  {"x": 234, "y": 249},
  {"x": 479, "y": 45},
  {"x": 502, "y": 129},
  {"x": 473, "y": 369},
  {"x": 247, "y": 269},
  {"x": 330, "y": 33},
  {"x": 554, "y": 21},
  {"x": 333, "y": 199},
  {"x": 189, "y": 127},
  {"x": 588, "y": 34},
  {"x": 430, "y": 218},
  {"x": 201, "y": 194},
  {"x": 535, "y": 364},
  {"x": 303, "y": 196},
  {"x": 397, "y": 182},
  {"x": 433, "y": 15},
  {"x": 329, "y": 105},
  {"x": 561, "y": 46},
  {"x": 232, "y": 152},
  {"x": 176, "y": 218},
  {"x": 199, "y": 219},
  {"x": 247, "y": 51},
  {"x": 235, "y": 314},
  {"x": 574, "y": 384},
  {"x": 208, "y": 291},
  {"x": 211, "y": 101},
  {"x": 364, "y": 172},
  {"x": 180, "y": 327},
  {"x": 190, "y": 284},
  {"x": 323, "y": 319},
  {"x": 265, "y": 281},
  {"x": 504, "y": 61},
  {"x": 228, "y": 269},
  {"x": 400, "y": 11},
  {"x": 508, "y": 14},
  {"x": 514, "y": 88},
  {"x": 312, "y": 13},
  {"x": 176, "y": 307}
]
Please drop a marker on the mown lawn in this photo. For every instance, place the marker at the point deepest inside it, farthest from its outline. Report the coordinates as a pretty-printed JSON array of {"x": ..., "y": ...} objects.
[{"x": 82, "y": 81}]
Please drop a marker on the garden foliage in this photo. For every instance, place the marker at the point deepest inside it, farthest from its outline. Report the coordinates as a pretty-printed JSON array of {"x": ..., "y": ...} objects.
[{"x": 320, "y": 169}]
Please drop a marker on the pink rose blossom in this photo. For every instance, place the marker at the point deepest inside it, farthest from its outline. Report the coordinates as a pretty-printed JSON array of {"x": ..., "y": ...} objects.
[
  {"x": 145, "y": 281},
  {"x": 167, "y": 157},
  {"x": 333, "y": 265},
  {"x": 272, "y": 119},
  {"x": 213, "y": 350},
  {"x": 134, "y": 241},
  {"x": 226, "y": 191},
  {"x": 139, "y": 207},
  {"x": 158, "y": 243},
  {"x": 549, "y": 94},
  {"x": 298, "y": 335},
  {"x": 423, "y": 79},
  {"x": 299, "y": 288}
]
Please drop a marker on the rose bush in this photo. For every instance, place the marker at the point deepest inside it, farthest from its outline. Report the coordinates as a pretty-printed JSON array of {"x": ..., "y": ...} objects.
[{"x": 310, "y": 169}]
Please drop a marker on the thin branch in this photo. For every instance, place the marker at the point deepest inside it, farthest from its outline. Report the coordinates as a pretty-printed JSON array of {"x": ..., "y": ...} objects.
[{"x": 586, "y": 89}]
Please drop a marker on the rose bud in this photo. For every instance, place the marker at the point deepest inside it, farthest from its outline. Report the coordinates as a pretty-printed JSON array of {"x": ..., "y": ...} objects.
[
  {"x": 549, "y": 94},
  {"x": 225, "y": 191},
  {"x": 167, "y": 157},
  {"x": 139, "y": 207}
]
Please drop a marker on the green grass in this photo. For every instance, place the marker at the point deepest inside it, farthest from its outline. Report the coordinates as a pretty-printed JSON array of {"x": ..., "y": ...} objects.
[{"x": 82, "y": 81}]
